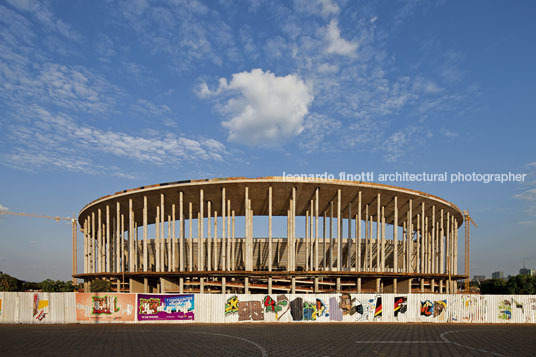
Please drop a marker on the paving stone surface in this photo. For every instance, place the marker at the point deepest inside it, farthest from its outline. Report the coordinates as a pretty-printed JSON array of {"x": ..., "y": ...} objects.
[{"x": 268, "y": 340}]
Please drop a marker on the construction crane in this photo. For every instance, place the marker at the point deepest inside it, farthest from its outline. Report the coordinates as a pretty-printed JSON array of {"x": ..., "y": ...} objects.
[
  {"x": 468, "y": 221},
  {"x": 57, "y": 219}
]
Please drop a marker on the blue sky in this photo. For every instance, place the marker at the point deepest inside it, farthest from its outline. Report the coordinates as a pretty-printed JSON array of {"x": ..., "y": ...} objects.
[{"x": 97, "y": 97}]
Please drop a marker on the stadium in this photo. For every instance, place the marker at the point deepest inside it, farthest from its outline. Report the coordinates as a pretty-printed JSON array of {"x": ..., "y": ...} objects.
[{"x": 271, "y": 234}]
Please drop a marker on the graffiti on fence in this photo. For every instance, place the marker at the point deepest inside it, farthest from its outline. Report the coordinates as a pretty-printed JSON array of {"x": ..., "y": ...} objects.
[
  {"x": 401, "y": 306},
  {"x": 250, "y": 310},
  {"x": 505, "y": 309},
  {"x": 351, "y": 306},
  {"x": 474, "y": 309},
  {"x": 40, "y": 308},
  {"x": 105, "y": 307},
  {"x": 165, "y": 307},
  {"x": 231, "y": 305},
  {"x": 279, "y": 307},
  {"x": 0, "y": 307},
  {"x": 436, "y": 309}
]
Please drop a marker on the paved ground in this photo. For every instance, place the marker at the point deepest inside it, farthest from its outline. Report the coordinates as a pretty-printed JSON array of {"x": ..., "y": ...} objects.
[{"x": 268, "y": 340}]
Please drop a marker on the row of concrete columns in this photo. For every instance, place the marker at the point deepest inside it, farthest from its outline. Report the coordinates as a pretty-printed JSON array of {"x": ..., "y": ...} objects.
[{"x": 428, "y": 244}]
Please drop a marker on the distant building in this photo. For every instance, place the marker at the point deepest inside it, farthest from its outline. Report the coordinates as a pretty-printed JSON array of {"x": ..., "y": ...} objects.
[
  {"x": 525, "y": 271},
  {"x": 479, "y": 277},
  {"x": 497, "y": 275}
]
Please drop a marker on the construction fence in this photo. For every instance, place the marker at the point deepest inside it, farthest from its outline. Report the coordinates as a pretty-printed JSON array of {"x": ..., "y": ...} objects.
[{"x": 64, "y": 308}]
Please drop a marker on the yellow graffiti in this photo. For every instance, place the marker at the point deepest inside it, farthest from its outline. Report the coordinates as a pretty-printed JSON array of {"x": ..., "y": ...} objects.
[{"x": 231, "y": 306}]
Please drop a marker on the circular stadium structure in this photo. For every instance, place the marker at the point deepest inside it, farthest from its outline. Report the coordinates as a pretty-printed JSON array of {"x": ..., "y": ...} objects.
[{"x": 217, "y": 236}]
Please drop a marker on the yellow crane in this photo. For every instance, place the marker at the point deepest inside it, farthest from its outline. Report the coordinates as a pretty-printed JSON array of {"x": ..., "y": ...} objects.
[
  {"x": 57, "y": 219},
  {"x": 468, "y": 221}
]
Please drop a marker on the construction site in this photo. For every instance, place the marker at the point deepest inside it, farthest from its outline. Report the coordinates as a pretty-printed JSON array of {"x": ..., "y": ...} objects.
[{"x": 341, "y": 236}]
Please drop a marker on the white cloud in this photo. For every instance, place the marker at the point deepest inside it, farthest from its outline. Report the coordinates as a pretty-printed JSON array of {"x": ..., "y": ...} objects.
[
  {"x": 328, "y": 7},
  {"x": 263, "y": 109},
  {"x": 3, "y": 208},
  {"x": 44, "y": 15},
  {"x": 337, "y": 44},
  {"x": 48, "y": 140}
]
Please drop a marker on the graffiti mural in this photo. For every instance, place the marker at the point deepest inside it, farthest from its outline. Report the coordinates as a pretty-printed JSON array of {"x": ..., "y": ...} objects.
[
  {"x": 351, "y": 306},
  {"x": 474, "y": 309},
  {"x": 279, "y": 307},
  {"x": 250, "y": 310},
  {"x": 231, "y": 305},
  {"x": 165, "y": 307},
  {"x": 296, "y": 309},
  {"x": 505, "y": 309},
  {"x": 335, "y": 312},
  {"x": 401, "y": 306},
  {"x": 436, "y": 309},
  {"x": 40, "y": 308},
  {"x": 105, "y": 307}
]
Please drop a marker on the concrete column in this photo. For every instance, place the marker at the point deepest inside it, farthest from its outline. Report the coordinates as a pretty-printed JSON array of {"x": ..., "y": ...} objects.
[
  {"x": 169, "y": 258},
  {"x": 358, "y": 238},
  {"x": 246, "y": 224},
  {"x": 223, "y": 230},
  {"x": 130, "y": 236},
  {"x": 293, "y": 228},
  {"x": 123, "y": 246},
  {"x": 441, "y": 247},
  {"x": 383, "y": 239},
  {"x": 270, "y": 237},
  {"x": 233, "y": 243},
  {"x": 200, "y": 233},
  {"x": 307, "y": 240},
  {"x": 289, "y": 241},
  {"x": 157, "y": 259},
  {"x": 190, "y": 239},
  {"x": 409, "y": 233},
  {"x": 366, "y": 264},
  {"x": 378, "y": 233},
  {"x": 85, "y": 245},
  {"x": 404, "y": 247},
  {"x": 338, "y": 286},
  {"x": 448, "y": 249},
  {"x": 395, "y": 237},
  {"x": 92, "y": 244},
  {"x": 316, "y": 231},
  {"x": 223, "y": 285},
  {"x": 99, "y": 242},
  {"x": 455, "y": 229},
  {"x": 181, "y": 231},
  {"x": 173, "y": 239},
  {"x": 228, "y": 246},
  {"x": 293, "y": 285},
  {"x": 269, "y": 285},
  {"x": 324, "y": 256},
  {"x": 358, "y": 285},
  {"x": 161, "y": 241},
  {"x": 145, "y": 238},
  {"x": 426, "y": 254},
  {"x": 339, "y": 238},
  {"x": 209, "y": 236},
  {"x": 349, "y": 241},
  {"x": 423, "y": 238},
  {"x": 395, "y": 285},
  {"x": 418, "y": 243},
  {"x": 215, "y": 256},
  {"x": 434, "y": 263},
  {"x": 246, "y": 285},
  {"x": 331, "y": 237},
  {"x": 108, "y": 241},
  {"x": 118, "y": 240}
]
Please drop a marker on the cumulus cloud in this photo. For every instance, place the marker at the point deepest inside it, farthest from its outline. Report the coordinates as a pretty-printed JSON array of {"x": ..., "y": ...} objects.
[
  {"x": 262, "y": 109},
  {"x": 337, "y": 44}
]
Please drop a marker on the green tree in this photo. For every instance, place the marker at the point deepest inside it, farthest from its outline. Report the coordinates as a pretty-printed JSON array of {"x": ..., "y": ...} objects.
[
  {"x": 493, "y": 286},
  {"x": 100, "y": 286},
  {"x": 9, "y": 283}
]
